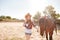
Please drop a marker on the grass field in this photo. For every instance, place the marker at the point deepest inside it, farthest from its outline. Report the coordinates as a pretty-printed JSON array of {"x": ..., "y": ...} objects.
[{"x": 15, "y": 31}]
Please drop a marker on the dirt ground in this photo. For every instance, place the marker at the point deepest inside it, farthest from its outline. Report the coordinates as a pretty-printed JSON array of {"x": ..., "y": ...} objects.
[{"x": 15, "y": 31}]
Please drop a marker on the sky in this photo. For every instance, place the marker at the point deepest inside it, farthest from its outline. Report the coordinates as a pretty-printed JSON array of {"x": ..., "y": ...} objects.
[{"x": 18, "y": 8}]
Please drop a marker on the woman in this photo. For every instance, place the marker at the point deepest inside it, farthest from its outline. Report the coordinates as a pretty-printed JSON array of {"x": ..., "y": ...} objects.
[{"x": 28, "y": 24}]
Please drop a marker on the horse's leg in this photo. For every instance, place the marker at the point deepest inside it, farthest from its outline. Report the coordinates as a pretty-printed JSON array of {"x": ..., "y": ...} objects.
[
  {"x": 46, "y": 35},
  {"x": 41, "y": 30},
  {"x": 50, "y": 35},
  {"x": 41, "y": 33}
]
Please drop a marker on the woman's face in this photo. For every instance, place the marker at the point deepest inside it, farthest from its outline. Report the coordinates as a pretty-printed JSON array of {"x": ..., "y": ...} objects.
[{"x": 28, "y": 18}]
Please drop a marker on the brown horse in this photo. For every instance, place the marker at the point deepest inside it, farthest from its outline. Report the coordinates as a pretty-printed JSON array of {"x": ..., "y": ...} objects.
[{"x": 47, "y": 25}]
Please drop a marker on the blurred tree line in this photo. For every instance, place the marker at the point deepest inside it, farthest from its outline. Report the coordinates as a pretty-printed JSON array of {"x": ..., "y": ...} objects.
[
  {"x": 49, "y": 10},
  {"x": 7, "y": 18},
  {"x": 4, "y": 18}
]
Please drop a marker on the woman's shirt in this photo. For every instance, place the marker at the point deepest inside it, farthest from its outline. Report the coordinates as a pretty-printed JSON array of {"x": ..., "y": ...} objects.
[{"x": 28, "y": 24}]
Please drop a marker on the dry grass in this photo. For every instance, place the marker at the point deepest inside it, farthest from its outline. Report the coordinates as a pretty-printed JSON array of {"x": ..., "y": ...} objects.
[{"x": 15, "y": 31}]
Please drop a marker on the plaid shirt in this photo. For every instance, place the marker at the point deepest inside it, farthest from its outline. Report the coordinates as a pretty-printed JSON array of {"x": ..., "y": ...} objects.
[{"x": 28, "y": 25}]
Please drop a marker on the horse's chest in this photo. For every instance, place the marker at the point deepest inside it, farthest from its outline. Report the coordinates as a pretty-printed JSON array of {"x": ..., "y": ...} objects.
[{"x": 41, "y": 21}]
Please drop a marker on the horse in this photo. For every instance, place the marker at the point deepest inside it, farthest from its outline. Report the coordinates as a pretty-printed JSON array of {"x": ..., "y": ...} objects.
[{"x": 47, "y": 26}]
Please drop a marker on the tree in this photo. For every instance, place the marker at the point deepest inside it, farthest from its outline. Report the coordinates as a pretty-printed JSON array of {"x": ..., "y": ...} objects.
[
  {"x": 8, "y": 17},
  {"x": 2, "y": 17},
  {"x": 57, "y": 15},
  {"x": 49, "y": 10},
  {"x": 36, "y": 17}
]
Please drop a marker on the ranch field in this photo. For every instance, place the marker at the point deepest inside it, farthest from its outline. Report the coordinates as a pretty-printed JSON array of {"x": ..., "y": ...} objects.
[{"x": 15, "y": 31}]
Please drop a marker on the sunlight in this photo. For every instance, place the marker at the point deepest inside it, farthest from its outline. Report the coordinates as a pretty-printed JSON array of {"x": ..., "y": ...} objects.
[{"x": 37, "y": 5}]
